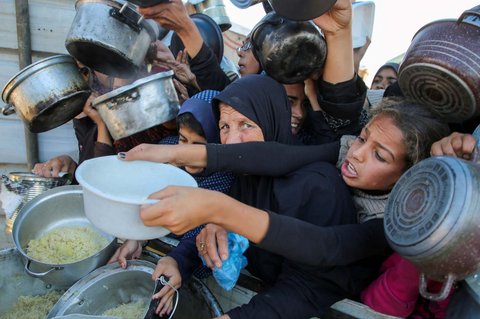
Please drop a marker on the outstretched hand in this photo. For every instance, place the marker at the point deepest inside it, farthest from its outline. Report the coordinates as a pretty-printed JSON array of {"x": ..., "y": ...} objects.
[
  {"x": 456, "y": 144},
  {"x": 337, "y": 18}
]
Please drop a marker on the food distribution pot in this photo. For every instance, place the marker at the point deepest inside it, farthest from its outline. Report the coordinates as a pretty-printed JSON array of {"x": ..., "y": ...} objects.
[
  {"x": 432, "y": 219},
  {"x": 58, "y": 207},
  {"x": 47, "y": 93},
  {"x": 110, "y": 37},
  {"x": 143, "y": 104},
  {"x": 442, "y": 67}
]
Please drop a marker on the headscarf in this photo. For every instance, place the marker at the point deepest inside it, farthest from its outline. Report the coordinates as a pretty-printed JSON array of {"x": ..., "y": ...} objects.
[
  {"x": 199, "y": 105},
  {"x": 264, "y": 101},
  {"x": 391, "y": 65}
]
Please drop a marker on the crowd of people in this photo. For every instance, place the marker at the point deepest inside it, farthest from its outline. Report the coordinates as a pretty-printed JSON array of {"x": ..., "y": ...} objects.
[{"x": 302, "y": 170}]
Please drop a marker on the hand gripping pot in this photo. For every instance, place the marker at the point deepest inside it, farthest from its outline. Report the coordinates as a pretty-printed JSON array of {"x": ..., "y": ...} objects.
[
  {"x": 288, "y": 51},
  {"x": 441, "y": 67},
  {"x": 133, "y": 108},
  {"x": 114, "y": 190},
  {"x": 431, "y": 219}
]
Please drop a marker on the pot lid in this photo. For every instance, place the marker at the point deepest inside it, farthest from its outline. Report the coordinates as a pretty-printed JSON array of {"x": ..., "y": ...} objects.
[
  {"x": 126, "y": 88},
  {"x": 32, "y": 68},
  {"x": 301, "y": 11}
]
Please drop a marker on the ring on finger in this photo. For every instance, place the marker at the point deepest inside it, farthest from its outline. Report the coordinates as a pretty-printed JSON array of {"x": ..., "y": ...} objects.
[{"x": 202, "y": 246}]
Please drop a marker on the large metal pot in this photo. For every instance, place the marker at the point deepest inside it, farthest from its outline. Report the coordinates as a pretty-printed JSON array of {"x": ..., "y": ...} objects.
[
  {"x": 110, "y": 37},
  {"x": 58, "y": 207},
  {"x": 46, "y": 94},
  {"x": 442, "y": 67},
  {"x": 432, "y": 219},
  {"x": 14, "y": 282},
  {"x": 289, "y": 51},
  {"x": 136, "y": 107},
  {"x": 110, "y": 286},
  {"x": 215, "y": 9}
]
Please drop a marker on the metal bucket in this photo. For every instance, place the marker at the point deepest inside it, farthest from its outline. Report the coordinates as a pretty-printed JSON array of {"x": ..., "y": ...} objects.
[
  {"x": 110, "y": 286},
  {"x": 441, "y": 67},
  {"x": 141, "y": 105},
  {"x": 58, "y": 207},
  {"x": 29, "y": 186},
  {"x": 215, "y": 9},
  {"x": 14, "y": 282},
  {"x": 47, "y": 93},
  {"x": 431, "y": 219},
  {"x": 110, "y": 37}
]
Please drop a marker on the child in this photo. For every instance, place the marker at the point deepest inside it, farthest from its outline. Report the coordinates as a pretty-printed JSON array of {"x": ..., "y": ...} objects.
[{"x": 196, "y": 125}]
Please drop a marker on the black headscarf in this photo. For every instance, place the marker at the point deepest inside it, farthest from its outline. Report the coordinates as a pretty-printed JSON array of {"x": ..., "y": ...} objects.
[{"x": 264, "y": 101}]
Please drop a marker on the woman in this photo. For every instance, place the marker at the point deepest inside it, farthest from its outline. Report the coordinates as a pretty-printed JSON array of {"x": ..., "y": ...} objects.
[{"x": 256, "y": 108}]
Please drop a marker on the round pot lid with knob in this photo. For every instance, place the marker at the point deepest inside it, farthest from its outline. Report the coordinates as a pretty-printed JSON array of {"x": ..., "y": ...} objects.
[{"x": 211, "y": 35}]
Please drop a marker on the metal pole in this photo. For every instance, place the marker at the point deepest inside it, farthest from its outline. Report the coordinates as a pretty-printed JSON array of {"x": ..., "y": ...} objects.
[{"x": 24, "y": 59}]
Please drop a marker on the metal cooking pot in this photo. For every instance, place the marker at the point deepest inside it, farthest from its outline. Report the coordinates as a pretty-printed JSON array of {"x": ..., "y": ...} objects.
[
  {"x": 431, "y": 219},
  {"x": 47, "y": 93},
  {"x": 210, "y": 32},
  {"x": 289, "y": 51},
  {"x": 58, "y": 207},
  {"x": 110, "y": 286},
  {"x": 215, "y": 9},
  {"x": 110, "y": 37},
  {"x": 442, "y": 67},
  {"x": 136, "y": 107},
  {"x": 293, "y": 9}
]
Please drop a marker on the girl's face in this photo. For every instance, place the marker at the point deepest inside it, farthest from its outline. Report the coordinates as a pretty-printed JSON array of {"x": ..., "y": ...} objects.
[
  {"x": 384, "y": 79},
  {"x": 188, "y": 136},
  {"x": 237, "y": 128},
  {"x": 376, "y": 159}
]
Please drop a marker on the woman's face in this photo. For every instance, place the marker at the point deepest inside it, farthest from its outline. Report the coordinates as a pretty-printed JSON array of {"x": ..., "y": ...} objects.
[
  {"x": 237, "y": 128},
  {"x": 376, "y": 159},
  {"x": 188, "y": 136},
  {"x": 296, "y": 97},
  {"x": 384, "y": 78},
  {"x": 247, "y": 64}
]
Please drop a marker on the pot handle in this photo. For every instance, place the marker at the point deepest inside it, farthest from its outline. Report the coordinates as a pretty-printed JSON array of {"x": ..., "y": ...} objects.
[
  {"x": 471, "y": 16},
  {"x": 8, "y": 110},
  {"x": 442, "y": 294},
  {"x": 39, "y": 274}
]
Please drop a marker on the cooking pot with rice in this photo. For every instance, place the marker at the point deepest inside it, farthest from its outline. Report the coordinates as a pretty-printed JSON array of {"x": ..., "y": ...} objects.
[
  {"x": 111, "y": 37},
  {"x": 52, "y": 211},
  {"x": 133, "y": 108}
]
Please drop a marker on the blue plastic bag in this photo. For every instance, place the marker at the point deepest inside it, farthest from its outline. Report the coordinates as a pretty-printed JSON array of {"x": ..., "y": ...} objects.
[{"x": 227, "y": 275}]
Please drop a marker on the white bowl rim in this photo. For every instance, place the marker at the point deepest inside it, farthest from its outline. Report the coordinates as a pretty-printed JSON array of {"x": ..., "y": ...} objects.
[{"x": 102, "y": 194}]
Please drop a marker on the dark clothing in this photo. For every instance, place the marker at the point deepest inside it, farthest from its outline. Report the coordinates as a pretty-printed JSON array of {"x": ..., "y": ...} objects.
[
  {"x": 314, "y": 194},
  {"x": 207, "y": 70},
  {"x": 315, "y": 129}
]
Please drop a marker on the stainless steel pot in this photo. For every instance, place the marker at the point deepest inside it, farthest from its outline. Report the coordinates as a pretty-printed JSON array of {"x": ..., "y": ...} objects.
[
  {"x": 441, "y": 67},
  {"x": 136, "y": 107},
  {"x": 58, "y": 207},
  {"x": 432, "y": 219},
  {"x": 215, "y": 9},
  {"x": 110, "y": 286},
  {"x": 110, "y": 37},
  {"x": 46, "y": 94},
  {"x": 289, "y": 51}
]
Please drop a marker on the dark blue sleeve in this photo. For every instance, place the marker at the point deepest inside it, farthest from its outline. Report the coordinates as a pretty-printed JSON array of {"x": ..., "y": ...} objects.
[{"x": 186, "y": 256}]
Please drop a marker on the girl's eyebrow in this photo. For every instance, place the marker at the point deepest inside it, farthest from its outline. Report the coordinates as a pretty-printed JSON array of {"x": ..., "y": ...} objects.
[{"x": 380, "y": 145}]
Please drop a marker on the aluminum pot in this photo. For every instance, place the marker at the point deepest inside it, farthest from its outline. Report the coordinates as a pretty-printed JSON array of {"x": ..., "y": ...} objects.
[
  {"x": 141, "y": 105},
  {"x": 110, "y": 37},
  {"x": 58, "y": 207},
  {"x": 289, "y": 51},
  {"x": 215, "y": 9},
  {"x": 431, "y": 219},
  {"x": 442, "y": 67},
  {"x": 110, "y": 286},
  {"x": 47, "y": 93}
]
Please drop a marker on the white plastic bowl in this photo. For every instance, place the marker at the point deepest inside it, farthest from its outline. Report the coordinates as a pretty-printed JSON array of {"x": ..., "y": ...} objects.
[{"x": 113, "y": 191}]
